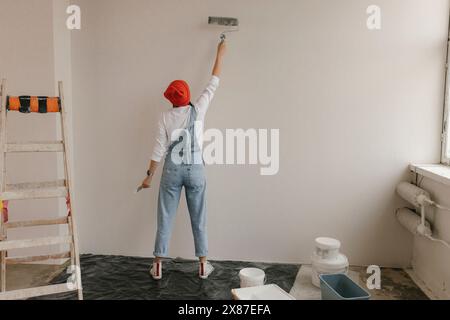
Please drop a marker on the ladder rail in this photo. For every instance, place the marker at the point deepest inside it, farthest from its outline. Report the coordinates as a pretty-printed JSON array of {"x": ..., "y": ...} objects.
[
  {"x": 3, "y": 115},
  {"x": 69, "y": 184}
]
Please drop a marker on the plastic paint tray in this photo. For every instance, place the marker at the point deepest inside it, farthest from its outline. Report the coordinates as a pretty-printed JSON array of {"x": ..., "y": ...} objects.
[
  {"x": 267, "y": 292},
  {"x": 341, "y": 287}
]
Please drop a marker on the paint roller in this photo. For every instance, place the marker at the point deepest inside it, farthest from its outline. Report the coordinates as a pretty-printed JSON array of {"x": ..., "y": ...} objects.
[{"x": 231, "y": 23}]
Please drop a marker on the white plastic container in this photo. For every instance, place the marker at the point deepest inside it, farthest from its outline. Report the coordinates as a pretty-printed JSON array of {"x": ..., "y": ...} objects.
[
  {"x": 327, "y": 248},
  {"x": 252, "y": 277},
  {"x": 267, "y": 292},
  {"x": 327, "y": 260}
]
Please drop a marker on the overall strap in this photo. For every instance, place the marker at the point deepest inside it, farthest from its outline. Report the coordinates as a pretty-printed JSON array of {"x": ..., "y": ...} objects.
[
  {"x": 196, "y": 152},
  {"x": 190, "y": 128}
]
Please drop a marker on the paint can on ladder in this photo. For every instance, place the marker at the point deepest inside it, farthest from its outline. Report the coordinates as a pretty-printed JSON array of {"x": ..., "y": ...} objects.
[{"x": 327, "y": 259}]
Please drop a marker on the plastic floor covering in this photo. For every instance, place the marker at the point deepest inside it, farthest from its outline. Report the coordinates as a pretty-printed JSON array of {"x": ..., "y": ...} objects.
[{"x": 128, "y": 278}]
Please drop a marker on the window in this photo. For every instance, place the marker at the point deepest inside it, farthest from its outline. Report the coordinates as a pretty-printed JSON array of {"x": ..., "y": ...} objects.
[{"x": 446, "y": 132}]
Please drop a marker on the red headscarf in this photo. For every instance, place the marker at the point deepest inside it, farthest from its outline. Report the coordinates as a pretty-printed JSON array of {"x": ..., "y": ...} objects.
[{"x": 178, "y": 93}]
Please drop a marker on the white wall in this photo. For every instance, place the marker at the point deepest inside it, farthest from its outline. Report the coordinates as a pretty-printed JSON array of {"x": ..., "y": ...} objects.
[
  {"x": 431, "y": 259},
  {"x": 352, "y": 105},
  {"x": 27, "y": 61}
]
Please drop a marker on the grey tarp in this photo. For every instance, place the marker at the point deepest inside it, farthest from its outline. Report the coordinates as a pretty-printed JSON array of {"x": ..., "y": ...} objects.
[{"x": 128, "y": 278}]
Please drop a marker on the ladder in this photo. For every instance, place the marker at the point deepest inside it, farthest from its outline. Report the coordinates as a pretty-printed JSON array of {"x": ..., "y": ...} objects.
[{"x": 46, "y": 190}]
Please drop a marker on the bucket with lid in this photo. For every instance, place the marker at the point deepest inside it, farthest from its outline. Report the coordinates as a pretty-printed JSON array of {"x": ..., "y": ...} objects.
[
  {"x": 327, "y": 247},
  {"x": 252, "y": 277},
  {"x": 326, "y": 259}
]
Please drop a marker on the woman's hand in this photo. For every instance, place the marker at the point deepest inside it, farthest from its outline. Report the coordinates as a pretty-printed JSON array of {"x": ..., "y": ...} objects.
[
  {"x": 147, "y": 183},
  {"x": 221, "y": 50}
]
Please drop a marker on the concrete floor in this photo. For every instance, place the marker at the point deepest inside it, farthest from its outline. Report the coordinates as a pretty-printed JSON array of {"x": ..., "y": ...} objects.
[{"x": 396, "y": 283}]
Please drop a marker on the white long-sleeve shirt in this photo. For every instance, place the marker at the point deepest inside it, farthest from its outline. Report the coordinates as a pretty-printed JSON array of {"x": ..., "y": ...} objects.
[{"x": 178, "y": 118}]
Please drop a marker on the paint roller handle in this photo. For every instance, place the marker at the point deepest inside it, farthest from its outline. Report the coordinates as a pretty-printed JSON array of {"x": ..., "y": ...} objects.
[{"x": 222, "y": 47}]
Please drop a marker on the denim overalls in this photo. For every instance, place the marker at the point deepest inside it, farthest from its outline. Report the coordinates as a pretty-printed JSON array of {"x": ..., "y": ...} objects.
[{"x": 191, "y": 176}]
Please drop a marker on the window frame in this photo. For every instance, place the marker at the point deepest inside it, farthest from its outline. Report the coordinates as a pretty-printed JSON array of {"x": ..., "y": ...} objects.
[
  {"x": 446, "y": 135},
  {"x": 445, "y": 156}
]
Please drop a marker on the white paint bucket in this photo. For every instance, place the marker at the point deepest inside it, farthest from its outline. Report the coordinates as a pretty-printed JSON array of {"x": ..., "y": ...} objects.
[
  {"x": 252, "y": 277},
  {"x": 327, "y": 260}
]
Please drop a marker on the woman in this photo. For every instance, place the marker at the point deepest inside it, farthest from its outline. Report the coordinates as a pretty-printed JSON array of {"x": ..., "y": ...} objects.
[{"x": 178, "y": 142}]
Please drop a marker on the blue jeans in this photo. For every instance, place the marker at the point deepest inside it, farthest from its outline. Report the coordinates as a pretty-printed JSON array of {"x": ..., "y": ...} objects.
[{"x": 174, "y": 178}]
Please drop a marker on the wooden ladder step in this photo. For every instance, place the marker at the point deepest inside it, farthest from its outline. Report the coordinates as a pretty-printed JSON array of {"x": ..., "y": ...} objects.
[
  {"x": 43, "y": 190},
  {"x": 20, "y": 260},
  {"x": 36, "y": 223},
  {"x": 51, "y": 146},
  {"x": 33, "y": 243},
  {"x": 34, "y": 292}
]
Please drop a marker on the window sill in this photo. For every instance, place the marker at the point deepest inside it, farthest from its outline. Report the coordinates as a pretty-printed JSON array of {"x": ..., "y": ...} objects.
[{"x": 436, "y": 172}]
